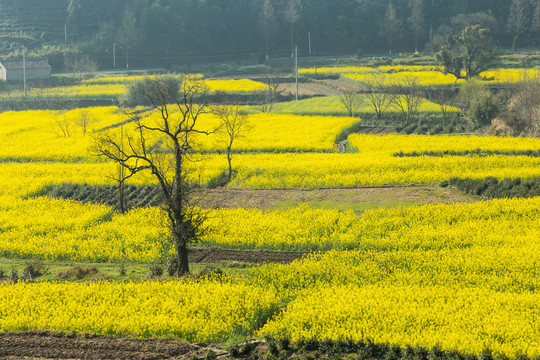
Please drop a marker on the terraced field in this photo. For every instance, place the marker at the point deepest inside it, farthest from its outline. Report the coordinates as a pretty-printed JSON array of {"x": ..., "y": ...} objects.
[{"x": 357, "y": 252}]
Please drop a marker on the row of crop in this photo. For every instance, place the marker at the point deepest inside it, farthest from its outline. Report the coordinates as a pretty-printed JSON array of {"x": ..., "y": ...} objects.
[
  {"x": 61, "y": 229},
  {"x": 490, "y": 188},
  {"x": 48, "y": 135},
  {"x": 68, "y": 135},
  {"x": 106, "y": 89},
  {"x": 332, "y": 106},
  {"x": 280, "y": 171},
  {"x": 461, "y": 277},
  {"x": 468, "y": 320},
  {"x": 421, "y": 75},
  {"x": 176, "y": 308}
]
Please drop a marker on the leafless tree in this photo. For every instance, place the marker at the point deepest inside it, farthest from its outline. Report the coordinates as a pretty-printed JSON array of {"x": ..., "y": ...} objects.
[
  {"x": 128, "y": 33},
  {"x": 177, "y": 125},
  {"x": 232, "y": 126},
  {"x": 292, "y": 15},
  {"x": 62, "y": 126},
  {"x": 81, "y": 66},
  {"x": 524, "y": 108},
  {"x": 519, "y": 19},
  {"x": 416, "y": 20},
  {"x": 267, "y": 23},
  {"x": 407, "y": 98},
  {"x": 376, "y": 92},
  {"x": 444, "y": 98},
  {"x": 391, "y": 25},
  {"x": 266, "y": 99},
  {"x": 351, "y": 100},
  {"x": 84, "y": 120}
]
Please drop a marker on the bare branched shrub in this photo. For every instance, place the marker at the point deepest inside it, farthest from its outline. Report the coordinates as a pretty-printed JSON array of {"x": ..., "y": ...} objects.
[
  {"x": 376, "y": 93},
  {"x": 407, "y": 98},
  {"x": 351, "y": 100},
  {"x": 266, "y": 100},
  {"x": 85, "y": 120},
  {"x": 62, "y": 126},
  {"x": 524, "y": 108}
]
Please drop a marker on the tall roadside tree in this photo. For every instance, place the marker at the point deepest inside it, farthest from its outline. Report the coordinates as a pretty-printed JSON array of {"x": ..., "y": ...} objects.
[
  {"x": 267, "y": 23},
  {"x": 470, "y": 52},
  {"x": 128, "y": 33},
  {"x": 519, "y": 20},
  {"x": 172, "y": 131},
  {"x": 292, "y": 15},
  {"x": 391, "y": 25},
  {"x": 416, "y": 20}
]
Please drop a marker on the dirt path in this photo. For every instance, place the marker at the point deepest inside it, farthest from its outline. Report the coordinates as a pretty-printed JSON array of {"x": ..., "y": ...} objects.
[
  {"x": 207, "y": 255},
  {"x": 315, "y": 87},
  {"x": 357, "y": 199},
  {"x": 47, "y": 345}
]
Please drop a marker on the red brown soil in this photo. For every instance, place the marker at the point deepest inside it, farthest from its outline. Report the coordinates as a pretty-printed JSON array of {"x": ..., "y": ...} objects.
[
  {"x": 208, "y": 255},
  {"x": 50, "y": 345}
]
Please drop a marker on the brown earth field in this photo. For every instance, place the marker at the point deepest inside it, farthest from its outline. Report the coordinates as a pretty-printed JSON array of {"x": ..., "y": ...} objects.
[
  {"x": 51, "y": 345},
  {"x": 41, "y": 344},
  {"x": 356, "y": 199}
]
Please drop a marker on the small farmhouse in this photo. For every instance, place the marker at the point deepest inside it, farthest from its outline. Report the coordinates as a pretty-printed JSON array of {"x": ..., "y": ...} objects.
[{"x": 13, "y": 70}]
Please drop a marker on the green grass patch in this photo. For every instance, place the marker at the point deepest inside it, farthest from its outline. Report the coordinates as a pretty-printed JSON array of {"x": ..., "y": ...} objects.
[
  {"x": 52, "y": 270},
  {"x": 346, "y": 206}
]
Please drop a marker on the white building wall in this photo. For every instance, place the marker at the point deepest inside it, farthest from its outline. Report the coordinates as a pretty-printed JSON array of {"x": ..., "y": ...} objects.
[{"x": 31, "y": 74}]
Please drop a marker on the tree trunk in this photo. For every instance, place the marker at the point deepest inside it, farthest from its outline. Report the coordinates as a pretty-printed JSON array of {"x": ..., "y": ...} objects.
[
  {"x": 182, "y": 255},
  {"x": 230, "y": 165},
  {"x": 121, "y": 197}
]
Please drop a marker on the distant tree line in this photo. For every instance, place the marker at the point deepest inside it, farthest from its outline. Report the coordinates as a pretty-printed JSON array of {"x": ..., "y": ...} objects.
[{"x": 164, "y": 32}]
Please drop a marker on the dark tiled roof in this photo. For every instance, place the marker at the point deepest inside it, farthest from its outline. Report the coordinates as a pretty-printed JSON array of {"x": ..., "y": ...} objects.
[{"x": 30, "y": 64}]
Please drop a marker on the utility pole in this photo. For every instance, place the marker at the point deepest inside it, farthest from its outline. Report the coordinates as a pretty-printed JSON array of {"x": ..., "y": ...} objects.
[
  {"x": 24, "y": 70},
  {"x": 309, "y": 41},
  {"x": 114, "y": 54},
  {"x": 296, "y": 68},
  {"x": 65, "y": 33}
]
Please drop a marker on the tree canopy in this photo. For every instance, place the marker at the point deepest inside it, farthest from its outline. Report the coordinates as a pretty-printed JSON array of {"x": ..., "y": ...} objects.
[{"x": 175, "y": 31}]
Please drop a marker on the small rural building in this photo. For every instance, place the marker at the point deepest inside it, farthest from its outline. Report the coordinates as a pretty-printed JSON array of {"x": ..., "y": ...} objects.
[{"x": 12, "y": 70}]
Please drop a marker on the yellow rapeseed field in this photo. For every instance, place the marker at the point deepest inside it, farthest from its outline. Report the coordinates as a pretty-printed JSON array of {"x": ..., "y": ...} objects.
[
  {"x": 463, "y": 277},
  {"x": 172, "y": 308},
  {"x": 422, "y": 75}
]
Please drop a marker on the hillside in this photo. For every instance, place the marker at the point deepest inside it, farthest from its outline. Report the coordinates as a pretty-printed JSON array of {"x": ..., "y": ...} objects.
[{"x": 25, "y": 21}]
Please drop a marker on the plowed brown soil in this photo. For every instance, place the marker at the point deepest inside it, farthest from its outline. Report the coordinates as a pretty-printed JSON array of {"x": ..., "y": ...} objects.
[
  {"x": 47, "y": 345},
  {"x": 207, "y": 255}
]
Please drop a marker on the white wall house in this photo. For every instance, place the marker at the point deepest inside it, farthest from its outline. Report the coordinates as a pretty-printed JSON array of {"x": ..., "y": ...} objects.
[{"x": 12, "y": 70}]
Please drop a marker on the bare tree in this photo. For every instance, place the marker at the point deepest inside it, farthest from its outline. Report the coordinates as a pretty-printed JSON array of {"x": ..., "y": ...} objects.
[
  {"x": 266, "y": 99},
  {"x": 62, "y": 126},
  {"x": 443, "y": 97},
  {"x": 391, "y": 25},
  {"x": 292, "y": 15},
  {"x": 407, "y": 98},
  {"x": 267, "y": 23},
  {"x": 351, "y": 100},
  {"x": 128, "y": 33},
  {"x": 84, "y": 120},
  {"x": 519, "y": 20},
  {"x": 81, "y": 66},
  {"x": 232, "y": 126},
  {"x": 416, "y": 20},
  {"x": 524, "y": 108},
  {"x": 376, "y": 92},
  {"x": 177, "y": 125},
  {"x": 536, "y": 18}
]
